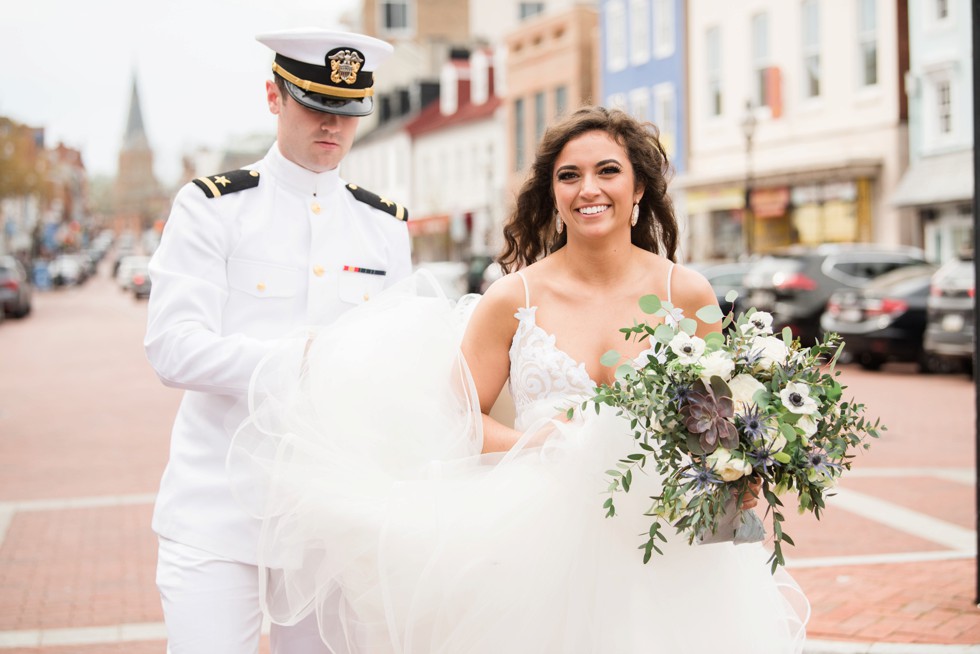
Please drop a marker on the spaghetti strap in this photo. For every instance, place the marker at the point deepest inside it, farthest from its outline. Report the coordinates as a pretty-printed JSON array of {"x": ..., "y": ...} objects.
[
  {"x": 670, "y": 272},
  {"x": 527, "y": 291}
]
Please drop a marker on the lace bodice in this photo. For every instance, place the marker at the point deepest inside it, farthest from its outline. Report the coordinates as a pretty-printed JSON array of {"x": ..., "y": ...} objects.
[{"x": 542, "y": 376}]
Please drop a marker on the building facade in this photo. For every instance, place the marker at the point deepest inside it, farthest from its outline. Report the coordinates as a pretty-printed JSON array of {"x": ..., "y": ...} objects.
[
  {"x": 797, "y": 124},
  {"x": 552, "y": 62},
  {"x": 938, "y": 185}
]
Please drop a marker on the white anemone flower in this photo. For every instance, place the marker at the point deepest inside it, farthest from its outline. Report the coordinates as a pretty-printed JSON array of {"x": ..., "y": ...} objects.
[
  {"x": 759, "y": 322},
  {"x": 796, "y": 397},
  {"x": 687, "y": 348}
]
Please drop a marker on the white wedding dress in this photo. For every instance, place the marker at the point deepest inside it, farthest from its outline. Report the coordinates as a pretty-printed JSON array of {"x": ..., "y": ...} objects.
[{"x": 362, "y": 457}]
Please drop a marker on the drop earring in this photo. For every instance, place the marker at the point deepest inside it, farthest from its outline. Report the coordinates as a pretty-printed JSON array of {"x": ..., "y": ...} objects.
[
  {"x": 559, "y": 225},
  {"x": 635, "y": 216}
]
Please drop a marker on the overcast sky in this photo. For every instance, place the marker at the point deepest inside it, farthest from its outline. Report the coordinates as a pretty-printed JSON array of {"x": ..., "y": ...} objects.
[{"x": 68, "y": 65}]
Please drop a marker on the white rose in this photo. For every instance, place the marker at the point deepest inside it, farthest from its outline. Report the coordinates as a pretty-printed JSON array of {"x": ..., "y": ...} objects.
[
  {"x": 796, "y": 397},
  {"x": 759, "y": 322},
  {"x": 717, "y": 364},
  {"x": 772, "y": 351},
  {"x": 728, "y": 467},
  {"x": 743, "y": 388},
  {"x": 687, "y": 348}
]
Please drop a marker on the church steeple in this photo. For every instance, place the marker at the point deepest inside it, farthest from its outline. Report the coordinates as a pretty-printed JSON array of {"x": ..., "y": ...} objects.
[{"x": 135, "y": 136}]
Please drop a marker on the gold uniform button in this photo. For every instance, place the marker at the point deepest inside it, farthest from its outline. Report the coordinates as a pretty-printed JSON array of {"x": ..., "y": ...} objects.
[
  {"x": 260, "y": 286},
  {"x": 315, "y": 207},
  {"x": 318, "y": 271},
  {"x": 254, "y": 173},
  {"x": 366, "y": 297}
]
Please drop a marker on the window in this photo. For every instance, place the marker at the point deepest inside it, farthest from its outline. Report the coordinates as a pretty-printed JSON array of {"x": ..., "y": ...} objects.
[
  {"x": 639, "y": 31},
  {"x": 528, "y": 9},
  {"x": 615, "y": 36},
  {"x": 520, "y": 152},
  {"x": 760, "y": 58},
  {"x": 867, "y": 43},
  {"x": 394, "y": 15},
  {"x": 561, "y": 100},
  {"x": 944, "y": 107},
  {"x": 640, "y": 104},
  {"x": 713, "y": 74},
  {"x": 539, "y": 116},
  {"x": 617, "y": 101},
  {"x": 942, "y": 9},
  {"x": 811, "y": 48},
  {"x": 665, "y": 115},
  {"x": 663, "y": 28}
]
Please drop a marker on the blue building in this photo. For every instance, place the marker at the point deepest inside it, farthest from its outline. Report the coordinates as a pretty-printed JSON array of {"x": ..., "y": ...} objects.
[{"x": 642, "y": 65}]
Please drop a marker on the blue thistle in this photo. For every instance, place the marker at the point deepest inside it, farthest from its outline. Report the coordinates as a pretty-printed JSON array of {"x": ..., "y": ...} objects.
[
  {"x": 702, "y": 477},
  {"x": 751, "y": 423}
]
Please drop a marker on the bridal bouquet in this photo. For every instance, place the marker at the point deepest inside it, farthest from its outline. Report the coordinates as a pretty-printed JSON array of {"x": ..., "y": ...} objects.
[{"x": 716, "y": 414}]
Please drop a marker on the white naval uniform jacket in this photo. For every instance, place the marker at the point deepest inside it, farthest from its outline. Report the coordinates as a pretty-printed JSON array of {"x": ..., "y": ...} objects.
[{"x": 233, "y": 274}]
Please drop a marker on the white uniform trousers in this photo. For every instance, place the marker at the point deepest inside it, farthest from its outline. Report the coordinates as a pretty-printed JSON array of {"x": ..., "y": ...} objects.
[{"x": 211, "y": 606}]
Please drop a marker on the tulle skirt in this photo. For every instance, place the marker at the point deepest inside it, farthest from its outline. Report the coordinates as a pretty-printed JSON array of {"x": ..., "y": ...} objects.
[{"x": 362, "y": 458}]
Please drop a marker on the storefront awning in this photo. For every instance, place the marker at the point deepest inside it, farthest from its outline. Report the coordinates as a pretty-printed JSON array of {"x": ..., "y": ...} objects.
[{"x": 938, "y": 179}]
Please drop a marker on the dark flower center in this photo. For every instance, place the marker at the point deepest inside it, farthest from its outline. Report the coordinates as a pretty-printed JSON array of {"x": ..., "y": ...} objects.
[{"x": 796, "y": 399}]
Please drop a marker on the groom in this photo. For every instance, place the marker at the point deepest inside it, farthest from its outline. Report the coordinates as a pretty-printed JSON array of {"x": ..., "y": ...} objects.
[{"x": 248, "y": 256}]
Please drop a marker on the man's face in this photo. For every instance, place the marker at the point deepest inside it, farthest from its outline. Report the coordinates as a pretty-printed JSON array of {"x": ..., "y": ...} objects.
[{"x": 315, "y": 140}]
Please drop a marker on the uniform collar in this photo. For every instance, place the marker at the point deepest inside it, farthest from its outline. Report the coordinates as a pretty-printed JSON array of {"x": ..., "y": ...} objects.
[{"x": 302, "y": 180}]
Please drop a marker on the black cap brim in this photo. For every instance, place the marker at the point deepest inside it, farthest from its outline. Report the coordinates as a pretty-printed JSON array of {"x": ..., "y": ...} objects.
[{"x": 329, "y": 104}]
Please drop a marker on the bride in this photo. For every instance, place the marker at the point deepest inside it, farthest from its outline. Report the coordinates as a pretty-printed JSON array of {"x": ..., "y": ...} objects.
[{"x": 394, "y": 505}]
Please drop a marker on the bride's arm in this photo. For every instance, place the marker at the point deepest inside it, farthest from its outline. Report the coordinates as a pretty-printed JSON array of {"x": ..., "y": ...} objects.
[
  {"x": 693, "y": 292},
  {"x": 486, "y": 347}
]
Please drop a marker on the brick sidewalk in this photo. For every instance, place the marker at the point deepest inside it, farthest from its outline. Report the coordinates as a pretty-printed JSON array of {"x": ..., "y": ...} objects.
[{"x": 85, "y": 429}]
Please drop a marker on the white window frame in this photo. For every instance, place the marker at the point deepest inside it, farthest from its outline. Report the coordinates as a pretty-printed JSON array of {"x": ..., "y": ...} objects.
[
  {"x": 664, "y": 36},
  {"x": 639, "y": 27},
  {"x": 665, "y": 113},
  {"x": 810, "y": 49},
  {"x": 760, "y": 58},
  {"x": 617, "y": 101},
  {"x": 712, "y": 58},
  {"x": 616, "y": 47},
  {"x": 639, "y": 106},
  {"x": 933, "y": 106},
  {"x": 867, "y": 39},
  {"x": 527, "y": 10}
]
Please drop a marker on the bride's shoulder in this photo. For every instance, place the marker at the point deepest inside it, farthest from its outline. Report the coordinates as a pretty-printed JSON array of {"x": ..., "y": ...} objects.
[{"x": 506, "y": 292}]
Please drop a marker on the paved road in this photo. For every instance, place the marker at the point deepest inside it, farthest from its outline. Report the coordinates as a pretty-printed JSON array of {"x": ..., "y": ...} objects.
[{"x": 84, "y": 430}]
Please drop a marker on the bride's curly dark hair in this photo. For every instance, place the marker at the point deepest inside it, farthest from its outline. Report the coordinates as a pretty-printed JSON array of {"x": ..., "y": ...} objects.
[{"x": 530, "y": 232}]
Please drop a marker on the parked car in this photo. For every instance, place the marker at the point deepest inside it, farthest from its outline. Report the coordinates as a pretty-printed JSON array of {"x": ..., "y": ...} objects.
[
  {"x": 884, "y": 321},
  {"x": 794, "y": 284},
  {"x": 141, "y": 284},
  {"x": 949, "y": 323},
  {"x": 16, "y": 290},
  {"x": 65, "y": 270},
  {"x": 129, "y": 266},
  {"x": 724, "y": 278}
]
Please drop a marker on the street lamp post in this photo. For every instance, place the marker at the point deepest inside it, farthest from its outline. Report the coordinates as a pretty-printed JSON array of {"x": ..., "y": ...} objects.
[{"x": 748, "y": 222}]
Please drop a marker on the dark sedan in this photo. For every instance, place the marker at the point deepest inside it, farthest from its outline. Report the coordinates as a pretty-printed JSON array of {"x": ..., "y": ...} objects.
[
  {"x": 885, "y": 320},
  {"x": 795, "y": 284}
]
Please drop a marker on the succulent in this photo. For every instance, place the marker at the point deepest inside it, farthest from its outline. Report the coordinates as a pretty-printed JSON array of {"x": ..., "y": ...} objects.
[{"x": 707, "y": 415}]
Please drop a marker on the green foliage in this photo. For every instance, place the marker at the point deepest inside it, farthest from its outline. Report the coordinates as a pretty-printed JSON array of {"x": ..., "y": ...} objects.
[{"x": 677, "y": 404}]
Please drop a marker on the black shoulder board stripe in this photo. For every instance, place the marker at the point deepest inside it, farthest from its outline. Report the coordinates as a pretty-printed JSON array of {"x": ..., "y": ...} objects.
[
  {"x": 378, "y": 202},
  {"x": 230, "y": 182}
]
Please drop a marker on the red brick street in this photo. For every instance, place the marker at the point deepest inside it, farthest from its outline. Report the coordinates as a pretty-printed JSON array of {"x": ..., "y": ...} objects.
[{"x": 84, "y": 430}]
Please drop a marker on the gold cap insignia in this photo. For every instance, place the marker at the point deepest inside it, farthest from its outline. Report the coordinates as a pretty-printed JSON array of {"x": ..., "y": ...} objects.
[{"x": 344, "y": 65}]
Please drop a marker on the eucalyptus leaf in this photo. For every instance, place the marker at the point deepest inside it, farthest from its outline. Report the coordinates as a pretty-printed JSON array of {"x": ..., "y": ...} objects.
[
  {"x": 624, "y": 370},
  {"x": 664, "y": 333},
  {"x": 787, "y": 336},
  {"x": 688, "y": 326},
  {"x": 650, "y": 304},
  {"x": 731, "y": 295},
  {"x": 610, "y": 358},
  {"x": 709, "y": 314}
]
